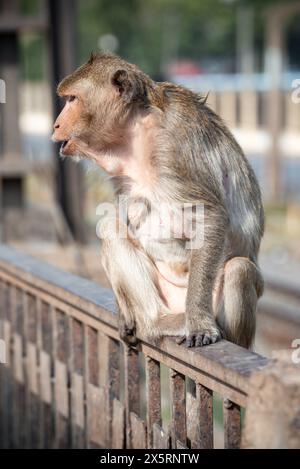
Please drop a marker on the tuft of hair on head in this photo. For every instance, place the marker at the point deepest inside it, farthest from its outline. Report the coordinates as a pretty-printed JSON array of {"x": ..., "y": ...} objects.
[
  {"x": 92, "y": 58},
  {"x": 204, "y": 98}
]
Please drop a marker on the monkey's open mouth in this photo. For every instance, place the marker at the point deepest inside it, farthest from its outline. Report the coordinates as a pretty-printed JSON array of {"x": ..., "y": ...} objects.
[{"x": 64, "y": 147}]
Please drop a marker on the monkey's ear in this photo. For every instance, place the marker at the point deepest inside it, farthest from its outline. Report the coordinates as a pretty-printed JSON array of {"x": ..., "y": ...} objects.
[{"x": 130, "y": 87}]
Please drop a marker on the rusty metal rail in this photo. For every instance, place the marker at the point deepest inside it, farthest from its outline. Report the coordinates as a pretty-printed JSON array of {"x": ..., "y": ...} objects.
[{"x": 69, "y": 382}]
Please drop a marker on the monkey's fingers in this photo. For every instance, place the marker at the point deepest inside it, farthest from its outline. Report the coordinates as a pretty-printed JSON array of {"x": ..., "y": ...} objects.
[
  {"x": 127, "y": 334},
  {"x": 202, "y": 338},
  {"x": 132, "y": 341}
]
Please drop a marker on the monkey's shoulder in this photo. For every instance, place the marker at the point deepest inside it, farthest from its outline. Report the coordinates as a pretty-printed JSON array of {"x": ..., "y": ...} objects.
[
  {"x": 188, "y": 113},
  {"x": 176, "y": 95}
]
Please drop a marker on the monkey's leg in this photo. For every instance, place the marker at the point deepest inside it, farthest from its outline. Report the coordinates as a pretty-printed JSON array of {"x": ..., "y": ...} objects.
[
  {"x": 133, "y": 279},
  {"x": 201, "y": 327},
  {"x": 243, "y": 285}
]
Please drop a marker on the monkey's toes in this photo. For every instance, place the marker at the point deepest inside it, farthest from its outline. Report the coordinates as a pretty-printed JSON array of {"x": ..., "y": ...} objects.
[{"x": 202, "y": 338}]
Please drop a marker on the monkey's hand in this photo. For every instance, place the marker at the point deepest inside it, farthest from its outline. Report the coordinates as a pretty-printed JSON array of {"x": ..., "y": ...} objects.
[
  {"x": 202, "y": 331},
  {"x": 127, "y": 331}
]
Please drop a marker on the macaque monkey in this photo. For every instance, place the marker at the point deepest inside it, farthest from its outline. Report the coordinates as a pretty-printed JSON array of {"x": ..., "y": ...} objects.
[{"x": 166, "y": 149}]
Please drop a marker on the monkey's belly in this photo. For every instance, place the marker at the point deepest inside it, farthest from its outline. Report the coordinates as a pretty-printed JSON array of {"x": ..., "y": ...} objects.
[{"x": 173, "y": 286}]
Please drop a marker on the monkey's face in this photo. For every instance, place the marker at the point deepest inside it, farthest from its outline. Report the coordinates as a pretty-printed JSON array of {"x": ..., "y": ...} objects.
[
  {"x": 100, "y": 97},
  {"x": 69, "y": 124}
]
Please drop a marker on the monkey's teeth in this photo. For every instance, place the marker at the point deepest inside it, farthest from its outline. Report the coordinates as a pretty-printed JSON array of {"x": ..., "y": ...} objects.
[{"x": 63, "y": 145}]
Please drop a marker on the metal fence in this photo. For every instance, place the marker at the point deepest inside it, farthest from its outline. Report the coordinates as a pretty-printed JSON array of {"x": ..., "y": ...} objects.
[{"x": 68, "y": 381}]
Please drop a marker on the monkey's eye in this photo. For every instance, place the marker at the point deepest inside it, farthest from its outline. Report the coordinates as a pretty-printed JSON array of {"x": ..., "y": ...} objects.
[{"x": 71, "y": 98}]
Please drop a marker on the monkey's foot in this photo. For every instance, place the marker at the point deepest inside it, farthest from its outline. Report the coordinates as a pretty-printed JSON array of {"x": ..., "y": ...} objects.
[{"x": 198, "y": 339}]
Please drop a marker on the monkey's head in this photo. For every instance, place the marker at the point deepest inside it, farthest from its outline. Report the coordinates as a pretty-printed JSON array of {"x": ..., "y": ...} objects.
[{"x": 100, "y": 99}]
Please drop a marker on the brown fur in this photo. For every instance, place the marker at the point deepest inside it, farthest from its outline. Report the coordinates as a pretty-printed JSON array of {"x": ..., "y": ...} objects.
[{"x": 163, "y": 145}]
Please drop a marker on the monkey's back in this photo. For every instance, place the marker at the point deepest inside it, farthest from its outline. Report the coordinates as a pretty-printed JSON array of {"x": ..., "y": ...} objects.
[{"x": 212, "y": 165}]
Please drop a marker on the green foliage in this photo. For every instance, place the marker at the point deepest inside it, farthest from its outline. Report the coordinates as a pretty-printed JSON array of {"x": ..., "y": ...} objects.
[
  {"x": 30, "y": 7},
  {"x": 153, "y": 33}
]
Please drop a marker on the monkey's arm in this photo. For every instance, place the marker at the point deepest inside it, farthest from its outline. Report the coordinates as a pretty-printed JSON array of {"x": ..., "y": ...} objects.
[{"x": 201, "y": 328}]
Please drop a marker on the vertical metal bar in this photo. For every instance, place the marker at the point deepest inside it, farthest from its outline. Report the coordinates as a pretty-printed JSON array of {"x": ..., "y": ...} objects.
[
  {"x": 204, "y": 398},
  {"x": 18, "y": 371},
  {"x": 26, "y": 416},
  {"x": 161, "y": 438},
  {"x": 86, "y": 383},
  {"x": 232, "y": 425},
  {"x": 53, "y": 375},
  {"x": 113, "y": 371},
  {"x": 138, "y": 432},
  {"x": 62, "y": 381},
  {"x": 178, "y": 408},
  {"x": 132, "y": 388},
  {"x": 46, "y": 372},
  {"x": 93, "y": 361},
  {"x": 8, "y": 383},
  {"x": 110, "y": 362},
  {"x": 77, "y": 386},
  {"x": 32, "y": 372},
  {"x": 95, "y": 399},
  {"x": 40, "y": 422},
  {"x": 109, "y": 378},
  {"x": 13, "y": 430},
  {"x": 2, "y": 367},
  {"x": 3, "y": 373},
  {"x": 153, "y": 397},
  {"x": 118, "y": 425}
]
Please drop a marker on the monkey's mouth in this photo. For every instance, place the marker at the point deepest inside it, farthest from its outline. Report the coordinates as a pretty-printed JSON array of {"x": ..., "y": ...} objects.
[
  {"x": 71, "y": 147},
  {"x": 64, "y": 147}
]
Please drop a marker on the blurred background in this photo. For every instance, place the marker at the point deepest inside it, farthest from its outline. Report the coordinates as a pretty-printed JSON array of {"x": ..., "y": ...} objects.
[{"x": 245, "y": 54}]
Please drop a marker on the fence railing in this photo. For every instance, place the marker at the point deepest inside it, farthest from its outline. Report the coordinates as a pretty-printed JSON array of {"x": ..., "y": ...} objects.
[
  {"x": 242, "y": 108},
  {"x": 68, "y": 381}
]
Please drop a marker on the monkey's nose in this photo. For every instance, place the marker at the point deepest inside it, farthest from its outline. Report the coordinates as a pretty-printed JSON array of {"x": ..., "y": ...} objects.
[{"x": 56, "y": 126}]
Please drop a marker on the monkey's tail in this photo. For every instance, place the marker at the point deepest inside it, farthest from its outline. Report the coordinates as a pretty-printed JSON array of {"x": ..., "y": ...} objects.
[{"x": 242, "y": 285}]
